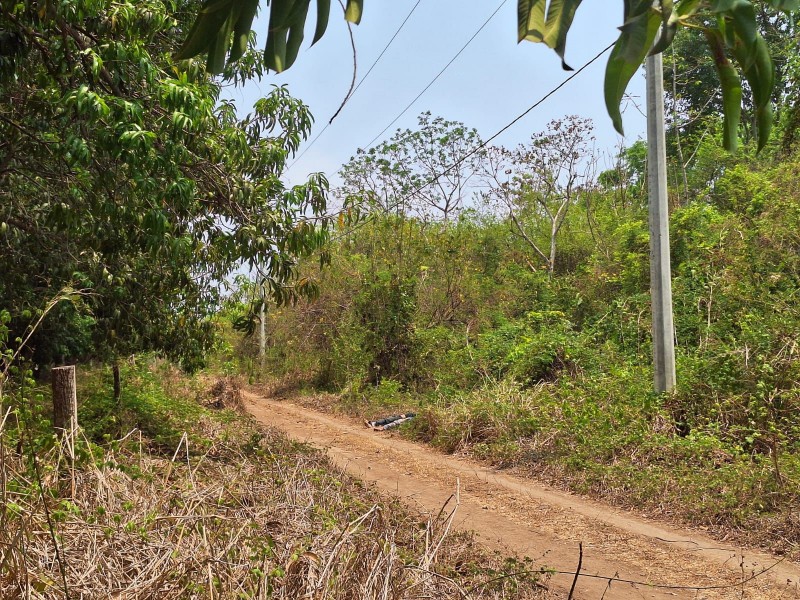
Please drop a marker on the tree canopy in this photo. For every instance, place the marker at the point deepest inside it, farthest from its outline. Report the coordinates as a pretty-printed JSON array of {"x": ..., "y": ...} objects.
[
  {"x": 137, "y": 182},
  {"x": 421, "y": 172}
]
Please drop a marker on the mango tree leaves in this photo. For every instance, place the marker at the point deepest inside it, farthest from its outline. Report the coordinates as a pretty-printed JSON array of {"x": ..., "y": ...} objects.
[
  {"x": 730, "y": 26},
  {"x": 736, "y": 33},
  {"x": 549, "y": 27},
  {"x": 638, "y": 32},
  {"x": 731, "y": 90},
  {"x": 223, "y": 26},
  {"x": 123, "y": 175}
]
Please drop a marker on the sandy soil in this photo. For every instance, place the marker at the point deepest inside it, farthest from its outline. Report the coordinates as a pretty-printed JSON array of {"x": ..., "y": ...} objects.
[{"x": 523, "y": 517}]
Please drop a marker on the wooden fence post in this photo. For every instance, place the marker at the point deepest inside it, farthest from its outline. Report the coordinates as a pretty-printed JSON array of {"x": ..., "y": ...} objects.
[
  {"x": 65, "y": 414},
  {"x": 65, "y": 401}
]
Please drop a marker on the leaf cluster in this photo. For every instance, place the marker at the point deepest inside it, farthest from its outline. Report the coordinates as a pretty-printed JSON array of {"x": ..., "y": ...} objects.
[
  {"x": 223, "y": 28},
  {"x": 124, "y": 175},
  {"x": 729, "y": 26}
]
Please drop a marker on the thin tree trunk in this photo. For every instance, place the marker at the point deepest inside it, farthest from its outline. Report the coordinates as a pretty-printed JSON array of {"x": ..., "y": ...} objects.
[
  {"x": 520, "y": 230},
  {"x": 676, "y": 125},
  {"x": 262, "y": 340},
  {"x": 117, "y": 383}
]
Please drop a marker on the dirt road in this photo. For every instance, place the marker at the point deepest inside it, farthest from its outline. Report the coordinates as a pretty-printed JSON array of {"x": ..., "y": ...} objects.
[{"x": 523, "y": 517}]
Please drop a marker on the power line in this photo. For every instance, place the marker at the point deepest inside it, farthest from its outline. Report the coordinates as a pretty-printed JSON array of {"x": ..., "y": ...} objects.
[
  {"x": 497, "y": 134},
  {"x": 534, "y": 105},
  {"x": 439, "y": 74},
  {"x": 358, "y": 85}
]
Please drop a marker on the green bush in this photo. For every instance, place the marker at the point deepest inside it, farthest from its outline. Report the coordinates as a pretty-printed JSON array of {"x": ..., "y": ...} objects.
[{"x": 144, "y": 404}]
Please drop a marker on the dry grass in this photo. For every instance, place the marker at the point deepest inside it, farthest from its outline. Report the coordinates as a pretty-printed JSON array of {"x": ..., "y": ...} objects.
[
  {"x": 225, "y": 393},
  {"x": 254, "y": 516}
]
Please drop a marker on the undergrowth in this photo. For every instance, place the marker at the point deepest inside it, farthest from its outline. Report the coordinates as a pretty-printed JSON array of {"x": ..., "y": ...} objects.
[
  {"x": 608, "y": 436},
  {"x": 622, "y": 447},
  {"x": 167, "y": 498},
  {"x": 549, "y": 370}
]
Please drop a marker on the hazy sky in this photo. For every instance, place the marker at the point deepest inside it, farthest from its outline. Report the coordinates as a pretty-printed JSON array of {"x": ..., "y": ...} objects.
[{"x": 491, "y": 82}]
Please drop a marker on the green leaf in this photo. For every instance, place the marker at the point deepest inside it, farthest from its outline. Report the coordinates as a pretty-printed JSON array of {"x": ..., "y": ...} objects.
[
  {"x": 531, "y": 20},
  {"x": 295, "y": 40},
  {"x": 275, "y": 52},
  {"x": 216, "y": 5},
  {"x": 786, "y": 5},
  {"x": 354, "y": 10},
  {"x": 205, "y": 28},
  {"x": 216, "y": 57},
  {"x": 686, "y": 8},
  {"x": 298, "y": 14},
  {"x": 744, "y": 21},
  {"x": 560, "y": 14},
  {"x": 764, "y": 119},
  {"x": 731, "y": 90},
  {"x": 635, "y": 8},
  {"x": 759, "y": 70},
  {"x": 323, "y": 14},
  {"x": 669, "y": 26},
  {"x": 279, "y": 13},
  {"x": 241, "y": 31},
  {"x": 552, "y": 29},
  {"x": 629, "y": 51}
]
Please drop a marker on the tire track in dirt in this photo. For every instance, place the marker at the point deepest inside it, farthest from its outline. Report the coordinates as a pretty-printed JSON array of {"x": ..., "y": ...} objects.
[{"x": 522, "y": 517}]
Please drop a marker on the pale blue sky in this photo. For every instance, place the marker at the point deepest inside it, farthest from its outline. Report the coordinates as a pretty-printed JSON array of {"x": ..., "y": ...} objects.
[{"x": 492, "y": 81}]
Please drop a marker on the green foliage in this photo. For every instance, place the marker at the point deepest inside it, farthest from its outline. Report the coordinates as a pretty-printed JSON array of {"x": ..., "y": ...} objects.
[
  {"x": 145, "y": 404},
  {"x": 533, "y": 349},
  {"x": 550, "y": 372},
  {"x": 442, "y": 352},
  {"x": 743, "y": 190},
  {"x": 425, "y": 172},
  {"x": 221, "y": 25},
  {"x": 731, "y": 30},
  {"x": 384, "y": 309},
  {"x": 133, "y": 181}
]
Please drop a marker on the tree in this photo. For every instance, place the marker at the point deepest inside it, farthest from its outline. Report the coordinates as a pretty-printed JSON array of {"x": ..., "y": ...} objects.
[
  {"x": 730, "y": 28},
  {"x": 419, "y": 172},
  {"x": 628, "y": 175},
  {"x": 417, "y": 184},
  {"x": 692, "y": 92},
  {"x": 133, "y": 180},
  {"x": 538, "y": 183}
]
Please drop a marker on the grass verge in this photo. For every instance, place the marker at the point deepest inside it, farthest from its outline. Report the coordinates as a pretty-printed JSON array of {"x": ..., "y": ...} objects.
[
  {"x": 192, "y": 502},
  {"x": 610, "y": 439}
]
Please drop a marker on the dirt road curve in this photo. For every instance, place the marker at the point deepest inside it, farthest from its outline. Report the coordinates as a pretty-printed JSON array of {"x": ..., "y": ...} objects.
[{"x": 523, "y": 517}]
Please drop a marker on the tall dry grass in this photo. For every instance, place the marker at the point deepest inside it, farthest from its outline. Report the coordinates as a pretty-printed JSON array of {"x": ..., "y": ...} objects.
[{"x": 253, "y": 516}]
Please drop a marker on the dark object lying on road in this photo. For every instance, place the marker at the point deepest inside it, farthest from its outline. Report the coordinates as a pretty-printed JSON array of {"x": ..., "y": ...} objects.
[{"x": 389, "y": 422}]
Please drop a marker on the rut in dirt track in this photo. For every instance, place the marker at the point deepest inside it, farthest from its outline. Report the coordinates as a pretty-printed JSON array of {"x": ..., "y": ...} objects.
[{"x": 523, "y": 517}]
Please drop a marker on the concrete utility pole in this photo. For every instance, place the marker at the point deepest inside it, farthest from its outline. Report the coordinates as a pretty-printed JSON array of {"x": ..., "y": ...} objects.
[{"x": 660, "y": 269}]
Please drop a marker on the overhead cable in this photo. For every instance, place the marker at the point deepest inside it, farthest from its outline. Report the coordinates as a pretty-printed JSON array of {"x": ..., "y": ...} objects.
[
  {"x": 439, "y": 74},
  {"x": 358, "y": 85}
]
